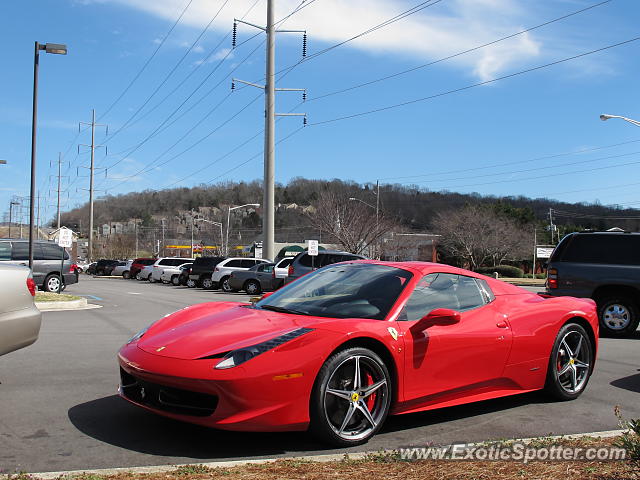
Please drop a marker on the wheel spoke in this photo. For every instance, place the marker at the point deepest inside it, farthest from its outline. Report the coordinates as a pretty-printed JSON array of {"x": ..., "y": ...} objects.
[
  {"x": 564, "y": 369},
  {"x": 340, "y": 393},
  {"x": 566, "y": 347},
  {"x": 580, "y": 364},
  {"x": 577, "y": 352},
  {"x": 356, "y": 375},
  {"x": 372, "y": 388},
  {"x": 367, "y": 414},
  {"x": 347, "y": 417},
  {"x": 574, "y": 378}
]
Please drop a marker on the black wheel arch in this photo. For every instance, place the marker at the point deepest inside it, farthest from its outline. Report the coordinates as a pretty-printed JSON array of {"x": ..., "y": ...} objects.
[
  {"x": 606, "y": 291},
  {"x": 381, "y": 350},
  {"x": 589, "y": 329}
]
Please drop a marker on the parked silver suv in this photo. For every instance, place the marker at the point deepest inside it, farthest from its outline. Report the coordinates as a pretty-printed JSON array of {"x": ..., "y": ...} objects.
[
  {"x": 47, "y": 258},
  {"x": 222, "y": 271}
]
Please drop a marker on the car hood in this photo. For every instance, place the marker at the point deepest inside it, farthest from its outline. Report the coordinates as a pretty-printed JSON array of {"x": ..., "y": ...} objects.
[{"x": 193, "y": 334}]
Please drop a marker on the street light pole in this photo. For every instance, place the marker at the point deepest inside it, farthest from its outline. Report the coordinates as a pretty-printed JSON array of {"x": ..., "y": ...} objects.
[
  {"x": 376, "y": 208},
  {"x": 605, "y": 117},
  {"x": 49, "y": 48},
  {"x": 212, "y": 223},
  {"x": 226, "y": 246}
]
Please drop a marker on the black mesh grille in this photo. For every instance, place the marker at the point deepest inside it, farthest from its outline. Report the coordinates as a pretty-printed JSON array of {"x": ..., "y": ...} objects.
[{"x": 169, "y": 399}]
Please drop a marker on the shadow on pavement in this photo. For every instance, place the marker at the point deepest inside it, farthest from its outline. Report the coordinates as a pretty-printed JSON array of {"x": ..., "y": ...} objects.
[
  {"x": 112, "y": 420},
  {"x": 631, "y": 383}
]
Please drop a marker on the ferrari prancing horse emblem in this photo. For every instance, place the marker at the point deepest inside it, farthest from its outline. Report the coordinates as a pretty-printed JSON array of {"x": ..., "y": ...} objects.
[{"x": 393, "y": 332}]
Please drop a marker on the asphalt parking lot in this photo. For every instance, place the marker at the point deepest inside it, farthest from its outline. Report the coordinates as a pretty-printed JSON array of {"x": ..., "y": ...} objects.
[{"x": 60, "y": 410}]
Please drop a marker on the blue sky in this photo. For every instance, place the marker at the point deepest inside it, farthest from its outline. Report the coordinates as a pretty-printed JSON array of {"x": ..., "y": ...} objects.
[{"x": 536, "y": 134}]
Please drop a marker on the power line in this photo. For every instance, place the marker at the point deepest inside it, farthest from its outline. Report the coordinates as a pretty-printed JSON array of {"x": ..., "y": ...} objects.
[
  {"x": 160, "y": 44},
  {"x": 449, "y": 57},
  {"x": 166, "y": 78},
  {"x": 468, "y": 87}
]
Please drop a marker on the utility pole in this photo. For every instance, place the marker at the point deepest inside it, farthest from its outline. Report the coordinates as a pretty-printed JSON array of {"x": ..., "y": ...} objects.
[
  {"x": 93, "y": 147},
  {"x": 135, "y": 227},
  {"x": 551, "y": 223},
  {"x": 163, "y": 242},
  {"x": 268, "y": 203},
  {"x": 378, "y": 218},
  {"x": 59, "y": 180},
  {"x": 11, "y": 204}
]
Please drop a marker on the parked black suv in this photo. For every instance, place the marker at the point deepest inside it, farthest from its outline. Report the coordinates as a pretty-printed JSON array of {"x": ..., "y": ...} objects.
[
  {"x": 202, "y": 269},
  {"x": 604, "y": 266}
]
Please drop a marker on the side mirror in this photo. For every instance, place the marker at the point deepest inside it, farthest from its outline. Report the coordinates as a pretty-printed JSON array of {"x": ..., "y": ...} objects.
[{"x": 439, "y": 316}]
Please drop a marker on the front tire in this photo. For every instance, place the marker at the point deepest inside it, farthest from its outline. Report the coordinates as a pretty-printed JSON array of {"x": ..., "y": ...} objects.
[
  {"x": 618, "y": 316},
  {"x": 206, "y": 283},
  {"x": 52, "y": 283},
  {"x": 571, "y": 363},
  {"x": 126, "y": 275},
  {"x": 175, "y": 280},
  {"x": 351, "y": 397},
  {"x": 191, "y": 283}
]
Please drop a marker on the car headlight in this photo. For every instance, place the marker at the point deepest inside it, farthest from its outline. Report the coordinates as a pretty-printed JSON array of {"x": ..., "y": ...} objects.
[
  {"x": 242, "y": 355},
  {"x": 138, "y": 335}
]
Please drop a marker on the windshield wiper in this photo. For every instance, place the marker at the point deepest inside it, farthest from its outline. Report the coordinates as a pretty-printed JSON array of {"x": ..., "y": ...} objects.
[{"x": 283, "y": 310}]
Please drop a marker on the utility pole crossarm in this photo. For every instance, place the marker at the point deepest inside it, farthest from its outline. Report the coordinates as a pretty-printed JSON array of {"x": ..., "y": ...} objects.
[
  {"x": 261, "y": 87},
  {"x": 250, "y": 24}
]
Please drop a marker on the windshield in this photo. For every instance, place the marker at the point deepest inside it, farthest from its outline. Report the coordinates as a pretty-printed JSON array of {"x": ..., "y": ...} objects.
[{"x": 342, "y": 291}]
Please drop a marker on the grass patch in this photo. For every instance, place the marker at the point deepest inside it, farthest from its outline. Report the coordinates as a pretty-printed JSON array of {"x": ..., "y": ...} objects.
[
  {"x": 388, "y": 465},
  {"x": 54, "y": 297}
]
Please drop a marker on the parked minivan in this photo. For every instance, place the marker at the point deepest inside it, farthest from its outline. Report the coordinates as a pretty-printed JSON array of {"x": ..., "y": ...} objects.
[
  {"x": 47, "y": 258},
  {"x": 604, "y": 266}
]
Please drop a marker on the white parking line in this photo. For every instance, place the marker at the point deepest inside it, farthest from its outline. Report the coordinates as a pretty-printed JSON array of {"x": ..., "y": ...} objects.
[{"x": 134, "y": 293}]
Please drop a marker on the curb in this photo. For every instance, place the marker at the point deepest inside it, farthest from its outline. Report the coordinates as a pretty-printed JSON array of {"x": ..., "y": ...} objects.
[
  {"x": 234, "y": 463},
  {"x": 81, "y": 303}
]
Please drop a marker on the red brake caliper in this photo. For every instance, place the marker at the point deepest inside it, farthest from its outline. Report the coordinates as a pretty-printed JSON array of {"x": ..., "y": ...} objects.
[{"x": 371, "y": 400}]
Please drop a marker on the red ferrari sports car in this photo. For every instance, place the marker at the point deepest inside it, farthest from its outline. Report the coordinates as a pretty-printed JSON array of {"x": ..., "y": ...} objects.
[{"x": 343, "y": 347}]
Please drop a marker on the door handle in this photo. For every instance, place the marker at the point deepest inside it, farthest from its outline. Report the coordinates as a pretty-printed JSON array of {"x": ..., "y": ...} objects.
[{"x": 502, "y": 324}]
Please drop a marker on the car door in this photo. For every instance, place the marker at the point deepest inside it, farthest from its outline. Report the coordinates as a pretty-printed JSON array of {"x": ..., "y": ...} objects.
[
  {"x": 264, "y": 273},
  {"x": 448, "y": 361}
]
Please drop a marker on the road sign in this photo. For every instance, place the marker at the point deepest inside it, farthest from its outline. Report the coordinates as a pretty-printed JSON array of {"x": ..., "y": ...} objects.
[
  {"x": 257, "y": 250},
  {"x": 544, "y": 252},
  {"x": 313, "y": 248},
  {"x": 65, "y": 237}
]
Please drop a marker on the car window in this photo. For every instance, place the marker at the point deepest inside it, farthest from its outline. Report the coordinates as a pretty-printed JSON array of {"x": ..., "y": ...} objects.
[
  {"x": 285, "y": 262},
  {"x": 611, "y": 249},
  {"x": 234, "y": 263},
  {"x": 344, "y": 291},
  {"x": 445, "y": 290},
  {"x": 305, "y": 260},
  {"x": 51, "y": 251},
  {"x": 266, "y": 268},
  {"x": 5, "y": 251},
  {"x": 20, "y": 251},
  {"x": 247, "y": 263}
]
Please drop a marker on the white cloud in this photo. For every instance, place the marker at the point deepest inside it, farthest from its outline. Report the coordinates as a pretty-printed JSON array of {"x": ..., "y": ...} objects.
[{"x": 435, "y": 32}]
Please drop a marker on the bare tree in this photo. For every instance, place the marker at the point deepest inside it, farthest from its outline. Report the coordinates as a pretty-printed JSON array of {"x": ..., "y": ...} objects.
[
  {"x": 477, "y": 236},
  {"x": 352, "y": 224}
]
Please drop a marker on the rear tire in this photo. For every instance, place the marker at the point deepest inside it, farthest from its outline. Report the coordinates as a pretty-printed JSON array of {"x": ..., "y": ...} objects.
[
  {"x": 252, "y": 287},
  {"x": 191, "y": 283},
  {"x": 570, "y": 364},
  {"x": 206, "y": 283},
  {"x": 224, "y": 285},
  {"x": 618, "y": 316},
  {"x": 52, "y": 283},
  {"x": 126, "y": 275}
]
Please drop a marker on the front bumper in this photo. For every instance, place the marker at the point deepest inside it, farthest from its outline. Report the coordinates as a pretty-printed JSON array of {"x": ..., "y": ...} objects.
[{"x": 243, "y": 398}]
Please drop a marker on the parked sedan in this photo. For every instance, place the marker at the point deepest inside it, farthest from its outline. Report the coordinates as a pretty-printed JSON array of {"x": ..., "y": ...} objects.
[
  {"x": 257, "y": 279},
  {"x": 19, "y": 317},
  {"x": 122, "y": 268},
  {"x": 171, "y": 274}
]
